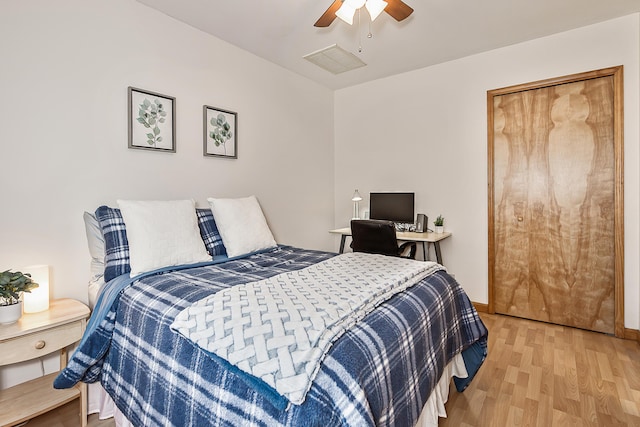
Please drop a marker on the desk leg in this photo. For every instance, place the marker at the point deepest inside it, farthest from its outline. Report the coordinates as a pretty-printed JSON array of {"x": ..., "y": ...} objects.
[
  {"x": 438, "y": 254},
  {"x": 342, "y": 241},
  {"x": 425, "y": 250}
]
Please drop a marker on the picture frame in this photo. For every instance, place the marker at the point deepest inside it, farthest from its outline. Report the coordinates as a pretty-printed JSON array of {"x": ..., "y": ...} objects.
[
  {"x": 152, "y": 120},
  {"x": 220, "y": 132}
]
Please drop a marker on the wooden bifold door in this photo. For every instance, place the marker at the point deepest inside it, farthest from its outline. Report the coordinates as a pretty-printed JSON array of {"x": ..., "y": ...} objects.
[{"x": 556, "y": 201}]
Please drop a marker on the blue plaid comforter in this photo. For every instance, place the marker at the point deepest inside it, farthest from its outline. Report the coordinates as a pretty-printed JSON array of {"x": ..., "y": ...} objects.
[{"x": 378, "y": 373}]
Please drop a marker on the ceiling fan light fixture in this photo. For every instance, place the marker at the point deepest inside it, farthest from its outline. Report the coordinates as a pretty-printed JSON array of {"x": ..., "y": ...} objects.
[
  {"x": 356, "y": 4},
  {"x": 345, "y": 10},
  {"x": 375, "y": 8},
  {"x": 346, "y": 13}
]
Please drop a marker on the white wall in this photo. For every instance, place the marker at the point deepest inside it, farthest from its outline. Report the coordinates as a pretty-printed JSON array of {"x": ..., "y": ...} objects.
[
  {"x": 66, "y": 66},
  {"x": 426, "y": 131}
]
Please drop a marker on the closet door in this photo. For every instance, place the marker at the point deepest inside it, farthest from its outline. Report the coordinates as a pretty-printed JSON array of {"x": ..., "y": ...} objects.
[{"x": 555, "y": 201}]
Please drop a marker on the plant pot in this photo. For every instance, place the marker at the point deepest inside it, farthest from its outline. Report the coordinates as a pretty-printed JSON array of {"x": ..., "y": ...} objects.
[
  {"x": 10, "y": 313},
  {"x": 439, "y": 228}
]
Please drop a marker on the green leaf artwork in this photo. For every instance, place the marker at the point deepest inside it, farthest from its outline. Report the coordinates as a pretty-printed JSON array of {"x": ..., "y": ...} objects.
[
  {"x": 150, "y": 114},
  {"x": 221, "y": 131}
]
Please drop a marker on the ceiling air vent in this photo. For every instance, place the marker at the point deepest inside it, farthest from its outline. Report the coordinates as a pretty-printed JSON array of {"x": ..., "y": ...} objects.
[{"x": 335, "y": 59}]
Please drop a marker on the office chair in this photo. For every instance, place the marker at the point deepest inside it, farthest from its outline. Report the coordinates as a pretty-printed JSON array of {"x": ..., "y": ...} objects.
[{"x": 379, "y": 237}]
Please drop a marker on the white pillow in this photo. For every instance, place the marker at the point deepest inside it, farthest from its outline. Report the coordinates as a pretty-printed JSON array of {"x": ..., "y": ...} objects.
[
  {"x": 162, "y": 234},
  {"x": 95, "y": 242},
  {"x": 242, "y": 225}
]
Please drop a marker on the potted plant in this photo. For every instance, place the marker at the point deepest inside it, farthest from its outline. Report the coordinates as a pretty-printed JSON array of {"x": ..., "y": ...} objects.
[
  {"x": 12, "y": 286},
  {"x": 439, "y": 223}
]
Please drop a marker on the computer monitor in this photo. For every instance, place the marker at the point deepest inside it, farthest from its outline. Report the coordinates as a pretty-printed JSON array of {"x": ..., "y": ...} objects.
[{"x": 396, "y": 207}]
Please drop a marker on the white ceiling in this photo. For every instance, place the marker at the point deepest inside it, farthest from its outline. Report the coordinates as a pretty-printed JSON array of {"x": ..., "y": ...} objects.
[{"x": 282, "y": 31}]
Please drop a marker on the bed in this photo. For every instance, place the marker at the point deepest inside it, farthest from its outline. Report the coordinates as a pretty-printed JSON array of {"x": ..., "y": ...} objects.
[{"x": 390, "y": 366}]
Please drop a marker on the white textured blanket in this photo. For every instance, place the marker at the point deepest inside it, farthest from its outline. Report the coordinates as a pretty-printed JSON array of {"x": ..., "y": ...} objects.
[{"x": 279, "y": 329}]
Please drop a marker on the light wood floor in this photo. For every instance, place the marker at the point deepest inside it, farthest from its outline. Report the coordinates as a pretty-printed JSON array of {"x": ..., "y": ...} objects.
[
  {"x": 537, "y": 374},
  {"x": 94, "y": 421}
]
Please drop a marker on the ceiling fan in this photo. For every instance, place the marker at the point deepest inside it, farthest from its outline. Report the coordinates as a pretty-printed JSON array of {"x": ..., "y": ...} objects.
[{"x": 344, "y": 9}]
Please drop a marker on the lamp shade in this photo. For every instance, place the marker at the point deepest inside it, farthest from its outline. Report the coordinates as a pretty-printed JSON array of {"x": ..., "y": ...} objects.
[
  {"x": 38, "y": 299},
  {"x": 375, "y": 8},
  {"x": 355, "y": 4},
  {"x": 356, "y": 209},
  {"x": 346, "y": 13}
]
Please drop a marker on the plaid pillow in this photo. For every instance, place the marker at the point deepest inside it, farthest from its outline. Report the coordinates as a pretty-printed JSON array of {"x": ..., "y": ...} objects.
[
  {"x": 116, "y": 256},
  {"x": 209, "y": 232},
  {"x": 116, "y": 245}
]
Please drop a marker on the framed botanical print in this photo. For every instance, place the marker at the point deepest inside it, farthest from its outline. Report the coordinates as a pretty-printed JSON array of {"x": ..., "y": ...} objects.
[
  {"x": 152, "y": 119},
  {"x": 220, "y": 132}
]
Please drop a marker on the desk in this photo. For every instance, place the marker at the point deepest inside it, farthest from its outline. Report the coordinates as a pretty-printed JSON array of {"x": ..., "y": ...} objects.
[{"x": 405, "y": 236}]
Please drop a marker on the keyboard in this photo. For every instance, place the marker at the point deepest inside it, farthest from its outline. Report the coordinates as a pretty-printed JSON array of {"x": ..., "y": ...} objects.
[{"x": 405, "y": 226}]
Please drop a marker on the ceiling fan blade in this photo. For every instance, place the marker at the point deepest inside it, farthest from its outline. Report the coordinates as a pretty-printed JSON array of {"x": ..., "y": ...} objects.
[
  {"x": 398, "y": 9},
  {"x": 329, "y": 15}
]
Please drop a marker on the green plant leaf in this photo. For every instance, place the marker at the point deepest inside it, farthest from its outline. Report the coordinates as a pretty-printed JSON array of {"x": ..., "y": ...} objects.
[{"x": 12, "y": 284}]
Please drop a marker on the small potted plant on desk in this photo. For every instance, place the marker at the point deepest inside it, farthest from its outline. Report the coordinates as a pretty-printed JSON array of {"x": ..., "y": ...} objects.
[
  {"x": 12, "y": 285},
  {"x": 439, "y": 223}
]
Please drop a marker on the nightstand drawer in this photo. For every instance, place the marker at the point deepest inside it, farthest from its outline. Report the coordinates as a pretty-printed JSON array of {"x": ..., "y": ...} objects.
[{"x": 39, "y": 343}]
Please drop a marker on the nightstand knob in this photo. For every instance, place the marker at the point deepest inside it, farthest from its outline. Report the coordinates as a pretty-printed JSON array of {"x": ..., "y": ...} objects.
[{"x": 40, "y": 345}]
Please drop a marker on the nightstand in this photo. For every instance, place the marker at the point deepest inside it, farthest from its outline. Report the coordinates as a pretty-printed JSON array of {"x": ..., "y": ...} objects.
[{"x": 36, "y": 335}]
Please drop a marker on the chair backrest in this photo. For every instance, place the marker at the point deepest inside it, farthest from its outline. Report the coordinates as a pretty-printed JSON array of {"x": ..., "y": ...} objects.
[{"x": 374, "y": 237}]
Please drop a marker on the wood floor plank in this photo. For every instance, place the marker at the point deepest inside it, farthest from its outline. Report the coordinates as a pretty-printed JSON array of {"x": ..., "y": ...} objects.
[
  {"x": 588, "y": 409},
  {"x": 534, "y": 387},
  {"x": 530, "y": 413}
]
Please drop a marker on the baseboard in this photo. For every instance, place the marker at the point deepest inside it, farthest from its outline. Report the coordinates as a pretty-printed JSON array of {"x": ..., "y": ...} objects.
[
  {"x": 481, "y": 307},
  {"x": 632, "y": 334}
]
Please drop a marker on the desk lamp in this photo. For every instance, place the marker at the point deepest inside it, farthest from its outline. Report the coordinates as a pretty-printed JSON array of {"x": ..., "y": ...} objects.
[{"x": 356, "y": 209}]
